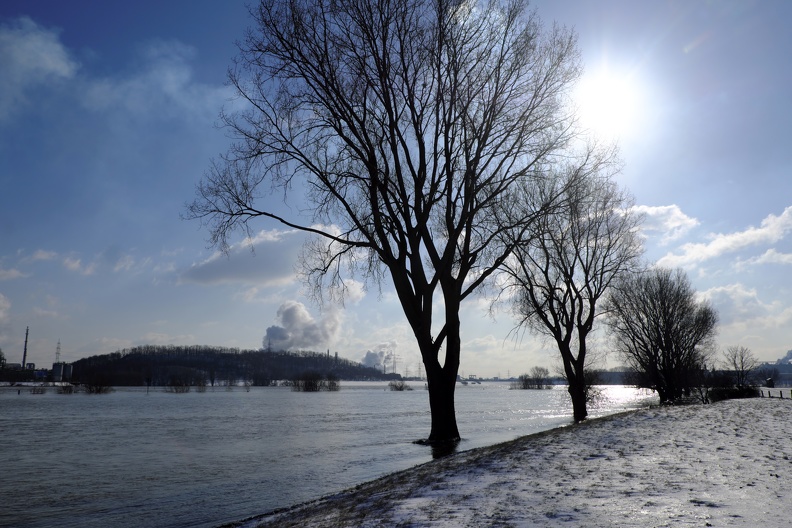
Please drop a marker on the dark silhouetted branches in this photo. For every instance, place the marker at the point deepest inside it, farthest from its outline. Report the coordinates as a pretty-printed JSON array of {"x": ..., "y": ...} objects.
[
  {"x": 408, "y": 125},
  {"x": 665, "y": 335}
]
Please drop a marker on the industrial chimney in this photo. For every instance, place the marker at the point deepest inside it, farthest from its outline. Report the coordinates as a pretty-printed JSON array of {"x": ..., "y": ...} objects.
[{"x": 24, "y": 354}]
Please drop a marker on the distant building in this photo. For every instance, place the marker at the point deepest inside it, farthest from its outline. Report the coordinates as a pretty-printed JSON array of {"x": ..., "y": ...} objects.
[{"x": 61, "y": 372}]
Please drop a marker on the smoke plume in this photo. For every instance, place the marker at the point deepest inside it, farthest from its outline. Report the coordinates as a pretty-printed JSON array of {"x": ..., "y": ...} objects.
[
  {"x": 785, "y": 359},
  {"x": 381, "y": 357},
  {"x": 297, "y": 328}
]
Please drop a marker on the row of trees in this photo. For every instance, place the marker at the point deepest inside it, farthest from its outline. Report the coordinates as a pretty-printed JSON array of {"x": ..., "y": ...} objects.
[
  {"x": 435, "y": 146},
  {"x": 184, "y": 366},
  {"x": 313, "y": 381}
]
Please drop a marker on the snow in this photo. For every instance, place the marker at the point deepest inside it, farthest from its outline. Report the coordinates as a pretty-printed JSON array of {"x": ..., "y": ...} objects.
[{"x": 724, "y": 464}]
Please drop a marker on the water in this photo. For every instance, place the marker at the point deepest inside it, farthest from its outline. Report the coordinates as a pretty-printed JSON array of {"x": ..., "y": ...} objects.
[{"x": 201, "y": 459}]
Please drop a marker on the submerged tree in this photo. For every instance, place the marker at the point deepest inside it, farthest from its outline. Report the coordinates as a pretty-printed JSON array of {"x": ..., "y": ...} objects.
[
  {"x": 664, "y": 334},
  {"x": 559, "y": 276},
  {"x": 409, "y": 123},
  {"x": 537, "y": 378}
]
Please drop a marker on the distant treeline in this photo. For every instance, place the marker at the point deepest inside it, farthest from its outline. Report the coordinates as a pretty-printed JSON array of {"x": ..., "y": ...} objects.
[{"x": 205, "y": 365}]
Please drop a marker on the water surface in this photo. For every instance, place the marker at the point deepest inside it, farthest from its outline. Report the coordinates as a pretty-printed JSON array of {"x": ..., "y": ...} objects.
[{"x": 201, "y": 459}]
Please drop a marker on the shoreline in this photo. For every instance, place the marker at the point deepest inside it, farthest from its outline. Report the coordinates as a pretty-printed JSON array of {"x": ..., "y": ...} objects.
[{"x": 701, "y": 464}]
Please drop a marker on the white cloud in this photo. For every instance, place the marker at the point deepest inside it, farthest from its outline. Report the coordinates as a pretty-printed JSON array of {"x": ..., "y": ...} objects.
[
  {"x": 271, "y": 263},
  {"x": 29, "y": 56},
  {"x": 9, "y": 274},
  {"x": 42, "y": 312},
  {"x": 745, "y": 318},
  {"x": 736, "y": 302},
  {"x": 249, "y": 294},
  {"x": 355, "y": 291},
  {"x": 771, "y": 230},
  {"x": 41, "y": 254},
  {"x": 771, "y": 256},
  {"x": 741, "y": 307},
  {"x": 72, "y": 264},
  {"x": 128, "y": 264},
  {"x": 669, "y": 220},
  {"x": 125, "y": 263},
  {"x": 75, "y": 264},
  {"x": 164, "y": 87}
]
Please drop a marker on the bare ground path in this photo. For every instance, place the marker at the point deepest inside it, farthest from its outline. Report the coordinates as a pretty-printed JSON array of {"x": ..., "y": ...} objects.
[{"x": 726, "y": 464}]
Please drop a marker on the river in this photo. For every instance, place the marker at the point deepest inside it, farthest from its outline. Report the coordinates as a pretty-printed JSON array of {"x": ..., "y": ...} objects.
[{"x": 132, "y": 458}]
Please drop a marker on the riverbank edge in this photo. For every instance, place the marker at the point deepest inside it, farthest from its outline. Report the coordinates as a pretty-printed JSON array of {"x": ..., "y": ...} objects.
[{"x": 420, "y": 472}]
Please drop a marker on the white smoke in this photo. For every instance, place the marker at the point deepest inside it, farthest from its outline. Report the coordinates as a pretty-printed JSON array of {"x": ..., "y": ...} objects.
[
  {"x": 786, "y": 359},
  {"x": 5, "y": 313},
  {"x": 297, "y": 328},
  {"x": 382, "y": 356}
]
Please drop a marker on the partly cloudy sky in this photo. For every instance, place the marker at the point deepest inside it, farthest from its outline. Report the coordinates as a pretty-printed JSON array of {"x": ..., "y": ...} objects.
[{"x": 107, "y": 122}]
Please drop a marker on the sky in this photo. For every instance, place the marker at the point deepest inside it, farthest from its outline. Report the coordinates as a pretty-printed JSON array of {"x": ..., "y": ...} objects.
[{"x": 108, "y": 120}]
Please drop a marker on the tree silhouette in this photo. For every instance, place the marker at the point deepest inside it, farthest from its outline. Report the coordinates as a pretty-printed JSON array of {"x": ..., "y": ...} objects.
[
  {"x": 560, "y": 274},
  {"x": 664, "y": 334},
  {"x": 408, "y": 124}
]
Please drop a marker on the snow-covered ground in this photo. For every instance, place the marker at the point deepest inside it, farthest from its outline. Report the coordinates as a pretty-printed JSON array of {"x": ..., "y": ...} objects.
[{"x": 725, "y": 464}]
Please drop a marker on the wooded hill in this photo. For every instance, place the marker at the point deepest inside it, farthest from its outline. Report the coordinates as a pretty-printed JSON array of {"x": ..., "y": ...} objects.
[{"x": 206, "y": 365}]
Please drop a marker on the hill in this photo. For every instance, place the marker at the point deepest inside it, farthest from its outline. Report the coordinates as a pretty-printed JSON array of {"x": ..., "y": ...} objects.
[{"x": 206, "y": 365}]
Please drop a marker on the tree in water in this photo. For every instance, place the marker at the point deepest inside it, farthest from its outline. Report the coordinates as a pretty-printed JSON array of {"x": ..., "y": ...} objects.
[
  {"x": 559, "y": 275},
  {"x": 407, "y": 124}
]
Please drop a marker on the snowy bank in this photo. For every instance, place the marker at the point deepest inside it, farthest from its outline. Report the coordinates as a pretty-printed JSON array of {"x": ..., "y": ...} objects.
[{"x": 724, "y": 464}]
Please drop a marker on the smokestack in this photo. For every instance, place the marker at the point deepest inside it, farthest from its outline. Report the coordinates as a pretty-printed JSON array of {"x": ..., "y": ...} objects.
[{"x": 24, "y": 354}]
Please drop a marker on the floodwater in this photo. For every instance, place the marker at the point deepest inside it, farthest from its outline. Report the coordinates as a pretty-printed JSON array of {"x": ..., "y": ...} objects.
[{"x": 202, "y": 459}]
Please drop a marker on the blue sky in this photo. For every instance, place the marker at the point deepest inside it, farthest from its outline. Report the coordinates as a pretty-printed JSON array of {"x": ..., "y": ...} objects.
[{"x": 107, "y": 122}]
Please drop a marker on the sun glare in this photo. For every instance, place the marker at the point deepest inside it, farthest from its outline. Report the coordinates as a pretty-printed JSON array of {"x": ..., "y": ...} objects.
[{"x": 609, "y": 103}]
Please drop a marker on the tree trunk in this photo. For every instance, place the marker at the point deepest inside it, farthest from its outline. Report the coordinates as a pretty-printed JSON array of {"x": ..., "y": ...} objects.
[
  {"x": 661, "y": 393},
  {"x": 442, "y": 383},
  {"x": 576, "y": 380},
  {"x": 577, "y": 391},
  {"x": 442, "y": 379}
]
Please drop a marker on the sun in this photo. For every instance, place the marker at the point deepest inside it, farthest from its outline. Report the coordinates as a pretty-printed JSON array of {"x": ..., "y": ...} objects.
[{"x": 609, "y": 103}]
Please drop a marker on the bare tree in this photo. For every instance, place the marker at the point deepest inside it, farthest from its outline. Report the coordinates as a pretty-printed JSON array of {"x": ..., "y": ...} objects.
[
  {"x": 742, "y": 362},
  {"x": 540, "y": 377},
  {"x": 408, "y": 122},
  {"x": 559, "y": 275},
  {"x": 661, "y": 330},
  {"x": 537, "y": 378}
]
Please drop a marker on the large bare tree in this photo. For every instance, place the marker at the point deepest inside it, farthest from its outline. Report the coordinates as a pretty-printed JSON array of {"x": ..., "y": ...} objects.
[
  {"x": 663, "y": 332},
  {"x": 408, "y": 122},
  {"x": 558, "y": 276}
]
